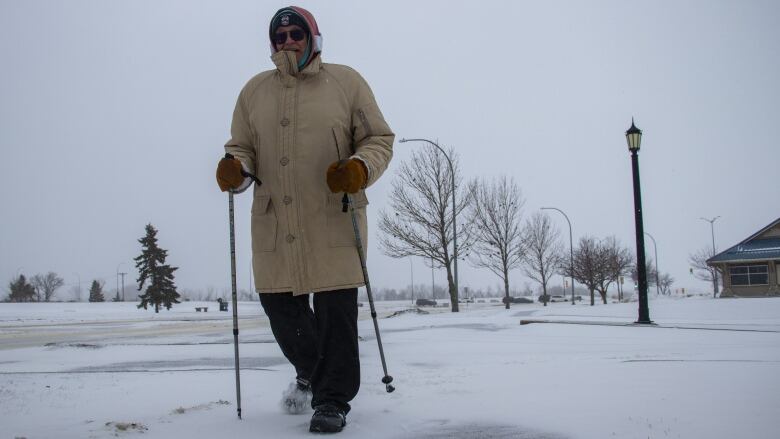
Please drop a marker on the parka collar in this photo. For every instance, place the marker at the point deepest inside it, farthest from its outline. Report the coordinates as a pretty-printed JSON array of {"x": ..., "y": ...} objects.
[{"x": 288, "y": 66}]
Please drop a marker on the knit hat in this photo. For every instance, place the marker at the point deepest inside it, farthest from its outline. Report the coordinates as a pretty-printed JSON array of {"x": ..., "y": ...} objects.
[{"x": 296, "y": 15}]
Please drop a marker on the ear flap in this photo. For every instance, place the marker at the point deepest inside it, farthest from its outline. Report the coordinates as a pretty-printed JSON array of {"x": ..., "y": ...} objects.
[{"x": 317, "y": 43}]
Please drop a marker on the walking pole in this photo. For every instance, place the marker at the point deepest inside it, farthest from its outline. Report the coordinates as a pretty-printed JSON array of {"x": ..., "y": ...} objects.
[
  {"x": 347, "y": 200},
  {"x": 233, "y": 282},
  {"x": 235, "y": 299}
]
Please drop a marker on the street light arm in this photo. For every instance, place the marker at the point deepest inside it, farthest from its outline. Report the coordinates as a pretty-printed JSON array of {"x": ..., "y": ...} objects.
[
  {"x": 436, "y": 145},
  {"x": 571, "y": 249}
]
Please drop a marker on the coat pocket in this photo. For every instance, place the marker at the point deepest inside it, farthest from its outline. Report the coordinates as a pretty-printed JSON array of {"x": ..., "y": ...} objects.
[
  {"x": 264, "y": 224},
  {"x": 341, "y": 232},
  {"x": 342, "y": 147}
]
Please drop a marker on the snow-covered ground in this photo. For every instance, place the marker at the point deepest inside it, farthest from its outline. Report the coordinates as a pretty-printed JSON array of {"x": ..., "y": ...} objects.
[{"x": 711, "y": 369}]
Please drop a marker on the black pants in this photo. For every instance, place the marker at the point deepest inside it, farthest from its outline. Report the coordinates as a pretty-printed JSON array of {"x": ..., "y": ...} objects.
[{"x": 322, "y": 344}]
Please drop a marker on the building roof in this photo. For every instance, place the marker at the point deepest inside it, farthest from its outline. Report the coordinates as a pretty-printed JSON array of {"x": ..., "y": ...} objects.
[{"x": 755, "y": 247}]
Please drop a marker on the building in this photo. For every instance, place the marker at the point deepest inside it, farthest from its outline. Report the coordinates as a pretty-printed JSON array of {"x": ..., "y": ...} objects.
[{"x": 752, "y": 267}]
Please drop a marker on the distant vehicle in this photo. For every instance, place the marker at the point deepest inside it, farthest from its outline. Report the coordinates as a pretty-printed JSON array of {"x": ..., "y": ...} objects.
[
  {"x": 549, "y": 298},
  {"x": 425, "y": 302},
  {"x": 466, "y": 300},
  {"x": 516, "y": 300}
]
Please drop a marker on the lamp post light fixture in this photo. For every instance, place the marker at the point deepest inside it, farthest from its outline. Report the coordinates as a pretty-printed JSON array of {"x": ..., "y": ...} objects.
[
  {"x": 715, "y": 272},
  {"x": 634, "y": 139},
  {"x": 655, "y": 248},
  {"x": 571, "y": 250},
  {"x": 454, "y": 222}
]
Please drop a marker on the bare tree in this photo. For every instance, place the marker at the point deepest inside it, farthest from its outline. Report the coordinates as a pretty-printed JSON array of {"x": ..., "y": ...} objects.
[
  {"x": 421, "y": 224},
  {"x": 701, "y": 270},
  {"x": 620, "y": 262},
  {"x": 542, "y": 257},
  {"x": 494, "y": 217},
  {"x": 665, "y": 280},
  {"x": 46, "y": 285},
  {"x": 592, "y": 267}
]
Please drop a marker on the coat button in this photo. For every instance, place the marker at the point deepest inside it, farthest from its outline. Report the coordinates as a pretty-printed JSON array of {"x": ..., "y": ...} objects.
[
  {"x": 284, "y": 161},
  {"x": 287, "y": 199},
  {"x": 285, "y": 122},
  {"x": 290, "y": 238}
]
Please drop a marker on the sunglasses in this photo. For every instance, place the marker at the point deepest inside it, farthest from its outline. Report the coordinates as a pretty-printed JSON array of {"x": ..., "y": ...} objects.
[{"x": 295, "y": 34}]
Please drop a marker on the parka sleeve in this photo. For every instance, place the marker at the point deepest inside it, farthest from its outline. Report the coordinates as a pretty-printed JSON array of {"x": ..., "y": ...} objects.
[
  {"x": 240, "y": 144},
  {"x": 372, "y": 137}
]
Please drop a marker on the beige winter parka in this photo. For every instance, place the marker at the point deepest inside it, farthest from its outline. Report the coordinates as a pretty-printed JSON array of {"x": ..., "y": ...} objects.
[{"x": 288, "y": 126}]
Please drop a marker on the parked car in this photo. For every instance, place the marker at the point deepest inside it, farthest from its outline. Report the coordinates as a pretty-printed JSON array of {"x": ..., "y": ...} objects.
[
  {"x": 549, "y": 298},
  {"x": 425, "y": 302},
  {"x": 516, "y": 300}
]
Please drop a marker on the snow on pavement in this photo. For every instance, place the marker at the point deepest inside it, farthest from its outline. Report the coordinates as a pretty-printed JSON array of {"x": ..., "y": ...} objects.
[{"x": 474, "y": 374}]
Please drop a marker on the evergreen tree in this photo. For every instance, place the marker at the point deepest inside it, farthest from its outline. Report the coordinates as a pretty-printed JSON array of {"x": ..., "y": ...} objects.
[
  {"x": 96, "y": 292},
  {"x": 152, "y": 267},
  {"x": 21, "y": 290}
]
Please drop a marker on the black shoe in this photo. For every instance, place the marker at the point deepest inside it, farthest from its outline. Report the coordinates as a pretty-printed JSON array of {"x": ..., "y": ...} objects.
[{"x": 327, "y": 419}]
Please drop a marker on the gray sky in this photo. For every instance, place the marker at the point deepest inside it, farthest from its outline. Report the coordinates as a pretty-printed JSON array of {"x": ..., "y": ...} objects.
[{"x": 113, "y": 114}]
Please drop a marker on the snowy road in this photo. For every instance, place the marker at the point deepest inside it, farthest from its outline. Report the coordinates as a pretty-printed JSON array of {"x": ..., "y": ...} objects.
[
  {"x": 119, "y": 332},
  {"x": 21, "y": 331}
]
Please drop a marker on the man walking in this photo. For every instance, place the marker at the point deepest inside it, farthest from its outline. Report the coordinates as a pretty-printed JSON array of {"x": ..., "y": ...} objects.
[{"x": 310, "y": 131}]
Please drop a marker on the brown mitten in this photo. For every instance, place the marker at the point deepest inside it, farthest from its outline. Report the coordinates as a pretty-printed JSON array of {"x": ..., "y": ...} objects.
[
  {"x": 347, "y": 176},
  {"x": 229, "y": 174}
]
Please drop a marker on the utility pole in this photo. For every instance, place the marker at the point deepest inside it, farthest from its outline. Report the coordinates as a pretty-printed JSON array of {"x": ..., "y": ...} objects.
[
  {"x": 123, "y": 286},
  {"x": 117, "y": 282},
  {"x": 714, "y": 271}
]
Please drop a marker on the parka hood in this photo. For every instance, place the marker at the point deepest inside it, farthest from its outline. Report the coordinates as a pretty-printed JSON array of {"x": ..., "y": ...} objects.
[{"x": 298, "y": 14}]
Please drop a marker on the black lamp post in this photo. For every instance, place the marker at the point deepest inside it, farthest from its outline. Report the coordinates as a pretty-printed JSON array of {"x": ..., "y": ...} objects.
[{"x": 634, "y": 138}]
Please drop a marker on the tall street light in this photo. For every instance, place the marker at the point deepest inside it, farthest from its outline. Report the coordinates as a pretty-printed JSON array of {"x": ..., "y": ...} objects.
[
  {"x": 571, "y": 250},
  {"x": 411, "y": 271},
  {"x": 454, "y": 223},
  {"x": 634, "y": 139},
  {"x": 715, "y": 272},
  {"x": 655, "y": 247}
]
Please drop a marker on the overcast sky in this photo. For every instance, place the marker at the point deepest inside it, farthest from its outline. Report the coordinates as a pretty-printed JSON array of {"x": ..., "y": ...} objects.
[{"x": 113, "y": 114}]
